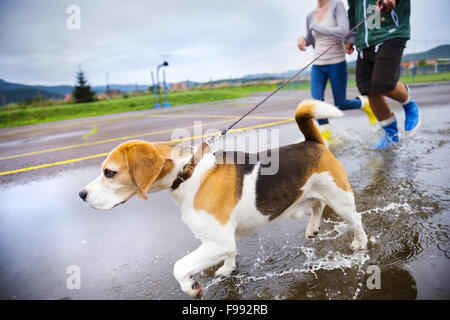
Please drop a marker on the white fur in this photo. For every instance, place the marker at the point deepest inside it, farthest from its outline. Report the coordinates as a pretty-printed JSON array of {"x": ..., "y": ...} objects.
[
  {"x": 325, "y": 110},
  {"x": 105, "y": 194}
]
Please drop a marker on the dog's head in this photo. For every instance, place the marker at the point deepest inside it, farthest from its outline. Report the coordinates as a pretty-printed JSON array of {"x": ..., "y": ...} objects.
[{"x": 130, "y": 168}]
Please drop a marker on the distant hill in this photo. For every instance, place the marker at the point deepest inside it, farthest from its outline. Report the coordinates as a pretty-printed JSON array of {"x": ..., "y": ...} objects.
[
  {"x": 61, "y": 90},
  {"x": 438, "y": 52},
  {"x": 20, "y": 94},
  {"x": 272, "y": 76},
  {"x": 16, "y": 92}
]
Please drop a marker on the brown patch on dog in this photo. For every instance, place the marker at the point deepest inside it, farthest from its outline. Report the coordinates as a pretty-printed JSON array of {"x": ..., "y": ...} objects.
[
  {"x": 219, "y": 192},
  {"x": 328, "y": 163},
  {"x": 144, "y": 163},
  {"x": 164, "y": 148},
  {"x": 304, "y": 117},
  {"x": 166, "y": 169},
  {"x": 116, "y": 159}
]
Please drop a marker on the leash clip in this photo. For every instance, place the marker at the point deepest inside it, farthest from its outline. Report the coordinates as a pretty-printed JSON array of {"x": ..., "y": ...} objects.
[{"x": 210, "y": 140}]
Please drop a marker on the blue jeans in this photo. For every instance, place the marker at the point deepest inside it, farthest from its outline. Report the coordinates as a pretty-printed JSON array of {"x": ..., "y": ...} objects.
[{"x": 337, "y": 73}]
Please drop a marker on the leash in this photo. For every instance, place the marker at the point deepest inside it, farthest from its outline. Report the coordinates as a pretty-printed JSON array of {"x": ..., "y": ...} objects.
[{"x": 189, "y": 168}]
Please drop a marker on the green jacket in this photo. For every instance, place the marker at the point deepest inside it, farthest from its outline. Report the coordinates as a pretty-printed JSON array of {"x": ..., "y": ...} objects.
[{"x": 379, "y": 28}]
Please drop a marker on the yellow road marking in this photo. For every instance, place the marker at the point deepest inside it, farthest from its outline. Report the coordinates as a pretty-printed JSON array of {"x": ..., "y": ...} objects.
[
  {"x": 90, "y": 133},
  {"x": 215, "y": 116},
  {"x": 88, "y": 144},
  {"x": 105, "y": 154},
  {"x": 54, "y": 164},
  {"x": 172, "y": 113}
]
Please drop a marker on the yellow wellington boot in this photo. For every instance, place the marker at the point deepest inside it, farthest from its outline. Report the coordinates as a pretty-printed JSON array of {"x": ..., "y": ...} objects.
[
  {"x": 365, "y": 106},
  {"x": 325, "y": 130}
]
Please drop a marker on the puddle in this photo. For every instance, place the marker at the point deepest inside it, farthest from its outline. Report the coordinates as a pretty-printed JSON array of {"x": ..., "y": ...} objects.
[{"x": 402, "y": 194}]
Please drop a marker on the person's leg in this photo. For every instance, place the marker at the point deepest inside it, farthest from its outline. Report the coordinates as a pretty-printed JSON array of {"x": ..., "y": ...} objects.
[
  {"x": 364, "y": 69},
  {"x": 338, "y": 78},
  {"x": 386, "y": 73},
  {"x": 365, "y": 66},
  {"x": 337, "y": 73},
  {"x": 384, "y": 82},
  {"x": 402, "y": 95},
  {"x": 319, "y": 81},
  {"x": 388, "y": 122},
  {"x": 379, "y": 106}
]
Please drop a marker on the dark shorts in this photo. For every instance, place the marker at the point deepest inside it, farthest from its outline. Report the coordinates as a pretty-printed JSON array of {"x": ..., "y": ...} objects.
[{"x": 378, "y": 71}]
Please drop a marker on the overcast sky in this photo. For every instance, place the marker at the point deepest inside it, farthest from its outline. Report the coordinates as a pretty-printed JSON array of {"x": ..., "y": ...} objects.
[{"x": 205, "y": 39}]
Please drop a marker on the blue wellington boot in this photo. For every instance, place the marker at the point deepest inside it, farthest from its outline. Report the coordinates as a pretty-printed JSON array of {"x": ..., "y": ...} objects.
[
  {"x": 391, "y": 134},
  {"x": 412, "y": 117}
]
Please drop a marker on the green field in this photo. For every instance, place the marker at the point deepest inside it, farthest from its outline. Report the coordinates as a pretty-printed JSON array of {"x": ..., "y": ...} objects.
[{"x": 16, "y": 115}]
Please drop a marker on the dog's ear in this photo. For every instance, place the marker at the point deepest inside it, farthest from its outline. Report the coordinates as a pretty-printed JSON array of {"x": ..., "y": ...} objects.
[{"x": 144, "y": 165}]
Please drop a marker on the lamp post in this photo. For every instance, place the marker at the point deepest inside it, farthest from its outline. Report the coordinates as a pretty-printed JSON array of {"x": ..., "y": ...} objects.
[
  {"x": 156, "y": 105},
  {"x": 166, "y": 103},
  {"x": 164, "y": 64}
]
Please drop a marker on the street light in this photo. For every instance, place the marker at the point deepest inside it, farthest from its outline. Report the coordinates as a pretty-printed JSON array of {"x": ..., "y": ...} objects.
[
  {"x": 166, "y": 103},
  {"x": 157, "y": 105}
]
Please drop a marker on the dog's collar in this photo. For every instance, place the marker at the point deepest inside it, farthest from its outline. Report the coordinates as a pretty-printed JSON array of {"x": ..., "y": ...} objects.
[{"x": 188, "y": 169}]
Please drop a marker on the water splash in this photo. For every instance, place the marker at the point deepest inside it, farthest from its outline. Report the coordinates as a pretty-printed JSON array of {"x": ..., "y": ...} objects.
[
  {"x": 390, "y": 207},
  {"x": 332, "y": 260},
  {"x": 312, "y": 264}
]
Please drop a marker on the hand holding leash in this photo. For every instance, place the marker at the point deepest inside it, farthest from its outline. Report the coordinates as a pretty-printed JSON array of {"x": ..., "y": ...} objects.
[{"x": 386, "y": 6}]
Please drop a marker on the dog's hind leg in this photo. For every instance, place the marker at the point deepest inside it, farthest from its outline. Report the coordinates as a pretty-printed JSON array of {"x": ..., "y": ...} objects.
[
  {"x": 343, "y": 204},
  {"x": 347, "y": 211},
  {"x": 312, "y": 230}
]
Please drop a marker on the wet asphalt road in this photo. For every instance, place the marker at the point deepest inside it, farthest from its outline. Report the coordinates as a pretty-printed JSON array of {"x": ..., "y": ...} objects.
[{"x": 128, "y": 253}]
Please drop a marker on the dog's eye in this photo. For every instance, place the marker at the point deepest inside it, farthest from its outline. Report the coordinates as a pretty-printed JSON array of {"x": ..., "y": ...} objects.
[{"x": 109, "y": 173}]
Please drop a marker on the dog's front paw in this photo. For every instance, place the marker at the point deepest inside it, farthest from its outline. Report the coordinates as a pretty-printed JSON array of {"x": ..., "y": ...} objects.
[
  {"x": 311, "y": 232},
  {"x": 197, "y": 290}
]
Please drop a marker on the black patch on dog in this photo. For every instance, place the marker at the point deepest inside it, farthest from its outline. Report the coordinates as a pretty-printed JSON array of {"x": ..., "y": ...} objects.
[{"x": 275, "y": 193}]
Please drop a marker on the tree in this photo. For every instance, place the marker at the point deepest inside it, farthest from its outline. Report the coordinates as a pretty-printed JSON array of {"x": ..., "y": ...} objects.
[
  {"x": 422, "y": 63},
  {"x": 82, "y": 91}
]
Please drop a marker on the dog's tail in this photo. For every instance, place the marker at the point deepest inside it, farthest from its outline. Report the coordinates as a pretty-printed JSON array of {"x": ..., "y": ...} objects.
[{"x": 309, "y": 109}]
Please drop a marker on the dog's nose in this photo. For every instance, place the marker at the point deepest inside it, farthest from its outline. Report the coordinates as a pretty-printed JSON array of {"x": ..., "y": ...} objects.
[{"x": 83, "y": 194}]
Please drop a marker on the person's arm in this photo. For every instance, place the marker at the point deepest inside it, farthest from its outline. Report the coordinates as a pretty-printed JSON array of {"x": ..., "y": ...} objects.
[
  {"x": 303, "y": 42},
  {"x": 341, "y": 20},
  {"x": 309, "y": 36},
  {"x": 352, "y": 23}
]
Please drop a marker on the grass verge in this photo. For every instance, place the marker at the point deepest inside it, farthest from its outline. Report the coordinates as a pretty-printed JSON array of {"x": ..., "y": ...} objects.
[{"x": 24, "y": 116}]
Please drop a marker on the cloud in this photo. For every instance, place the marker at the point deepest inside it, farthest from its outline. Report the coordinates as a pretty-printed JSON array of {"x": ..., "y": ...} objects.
[{"x": 205, "y": 39}]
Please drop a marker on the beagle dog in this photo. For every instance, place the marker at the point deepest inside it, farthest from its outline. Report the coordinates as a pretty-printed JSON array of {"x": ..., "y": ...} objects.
[{"x": 224, "y": 201}]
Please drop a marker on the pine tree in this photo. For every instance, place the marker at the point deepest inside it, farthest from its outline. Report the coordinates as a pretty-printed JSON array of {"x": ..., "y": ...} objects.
[{"x": 82, "y": 91}]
